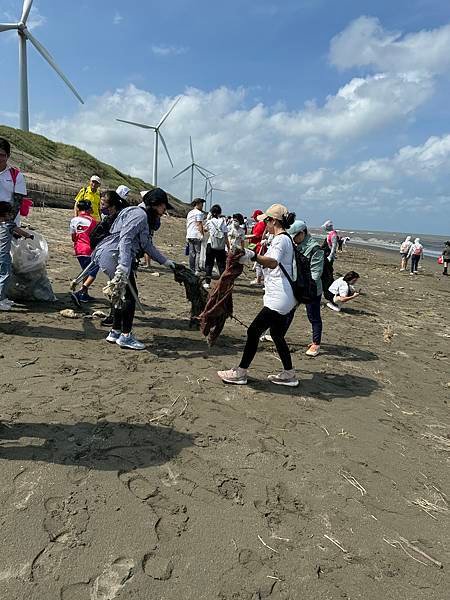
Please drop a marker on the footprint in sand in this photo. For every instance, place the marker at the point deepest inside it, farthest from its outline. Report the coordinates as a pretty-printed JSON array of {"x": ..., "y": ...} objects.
[
  {"x": 107, "y": 585},
  {"x": 138, "y": 485},
  {"x": 75, "y": 591},
  {"x": 157, "y": 567},
  {"x": 25, "y": 484},
  {"x": 49, "y": 559}
]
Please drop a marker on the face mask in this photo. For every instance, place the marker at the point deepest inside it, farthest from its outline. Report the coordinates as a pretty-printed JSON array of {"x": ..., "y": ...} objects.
[
  {"x": 236, "y": 223},
  {"x": 105, "y": 211}
]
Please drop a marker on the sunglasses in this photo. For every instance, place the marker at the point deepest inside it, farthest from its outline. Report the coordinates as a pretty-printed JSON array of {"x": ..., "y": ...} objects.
[{"x": 267, "y": 220}]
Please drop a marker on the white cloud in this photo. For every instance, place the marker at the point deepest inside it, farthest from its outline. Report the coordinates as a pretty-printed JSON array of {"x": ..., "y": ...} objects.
[
  {"x": 366, "y": 43},
  {"x": 266, "y": 153},
  {"x": 117, "y": 18},
  {"x": 163, "y": 50},
  {"x": 35, "y": 18}
]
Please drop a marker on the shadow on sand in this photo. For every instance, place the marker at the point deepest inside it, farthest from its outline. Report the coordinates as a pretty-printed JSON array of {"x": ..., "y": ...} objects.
[{"x": 104, "y": 446}]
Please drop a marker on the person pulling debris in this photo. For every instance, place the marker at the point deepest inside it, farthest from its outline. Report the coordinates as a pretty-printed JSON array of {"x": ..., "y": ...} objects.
[{"x": 116, "y": 255}]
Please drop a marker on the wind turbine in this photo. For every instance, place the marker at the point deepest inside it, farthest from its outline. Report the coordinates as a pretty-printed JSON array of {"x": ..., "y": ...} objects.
[
  {"x": 194, "y": 166},
  {"x": 158, "y": 136},
  {"x": 24, "y": 36},
  {"x": 211, "y": 190}
]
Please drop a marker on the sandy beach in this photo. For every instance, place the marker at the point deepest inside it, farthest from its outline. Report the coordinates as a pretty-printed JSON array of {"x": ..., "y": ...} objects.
[{"x": 142, "y": 476}]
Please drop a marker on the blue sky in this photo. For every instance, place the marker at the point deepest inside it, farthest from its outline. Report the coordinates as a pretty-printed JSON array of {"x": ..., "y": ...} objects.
[{"x": 337, "y": 109}]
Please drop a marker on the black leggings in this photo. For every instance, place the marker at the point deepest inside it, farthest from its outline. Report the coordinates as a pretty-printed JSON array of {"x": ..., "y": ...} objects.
[
  {"x": 123, "y": 317},
  {"x": 278, "y": 325},
  {"x": 220, "y": 256}
]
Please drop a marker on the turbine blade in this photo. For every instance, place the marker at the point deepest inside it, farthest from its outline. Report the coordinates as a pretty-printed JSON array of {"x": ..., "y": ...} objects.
[
  {"x": 192, "y": 150},
  {"x": 168, "y": 112},
  {"x": 183, "y": 171},
  {"x": 137, "y": 124},
  {"x": 46, "y": 55},
  {"x": 7, "y": 26},
  {"x": 163, "y": 141},
  {"x": 26, "y": 11},
  {"x": 200, "y": 171},
  {"x": 219, "y": 190},
  {"x": 205, "y": 170}
]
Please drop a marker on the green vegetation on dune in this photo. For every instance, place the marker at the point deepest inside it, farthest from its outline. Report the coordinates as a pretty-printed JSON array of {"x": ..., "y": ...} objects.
[{"x": 59, "y": 170}]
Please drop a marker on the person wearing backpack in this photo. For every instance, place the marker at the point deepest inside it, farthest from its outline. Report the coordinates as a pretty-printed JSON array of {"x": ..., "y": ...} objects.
[
  {"x": 404, "y": 250},
  {"x": 217, "y": 228},
  {"x": 308, "y": 248},
  {"x": 415, "y": 253},
  {"x": 279, "y": 300}
]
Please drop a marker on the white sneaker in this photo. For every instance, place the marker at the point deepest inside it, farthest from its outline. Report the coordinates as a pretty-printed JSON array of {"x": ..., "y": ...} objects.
[
  {"x": 129, "y": 341},
  {"x": 10, "y": 302},
  {"x": 113, "y": 336},
  {"x": 5, "y": 305},
  {"x": 236, "y": 375},
  {"x": 333, "y": 307},
  {"x": 284, "y": 378}
]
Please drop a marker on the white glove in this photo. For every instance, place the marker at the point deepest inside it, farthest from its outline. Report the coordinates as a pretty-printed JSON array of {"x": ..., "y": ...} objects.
[
  {"x": 247, "y": 258},
  {"x": 169, "y": 264},
  {"x": 121, "y": 271}
]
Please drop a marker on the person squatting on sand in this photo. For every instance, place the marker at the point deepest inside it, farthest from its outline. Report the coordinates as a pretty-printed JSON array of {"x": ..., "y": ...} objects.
[
  {"x": 312, "y": 251},
  {"x": 415, "y": 253},
  {"x": 446, "y": 257},
  {"x": 116, "y": 255},
  {"x": 195, "y": 233},
  {"x": 404, "y": 249},
  {"x": 218, "y": 243},
  {"x": 343, "y": 291},
  {"x": 279, "y": 301}
]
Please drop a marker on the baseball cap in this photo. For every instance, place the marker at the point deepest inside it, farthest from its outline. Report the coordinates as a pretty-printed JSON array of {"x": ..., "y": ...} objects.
[
  {"x": 296, "y": 227},
  {"x": 123, "y": 191},
  {"x": 96, "y": 178},
  {"x": 255, "y": 213},
  {"x": 276, "y": 211},
  {"x": 328, "y": 225},
  {"x": 157, "y": 196},
  {"x": 143, "y": 193}
]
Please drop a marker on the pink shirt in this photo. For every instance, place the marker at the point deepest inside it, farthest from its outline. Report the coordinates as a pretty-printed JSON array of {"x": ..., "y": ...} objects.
[{"x": 80, "y": 229}]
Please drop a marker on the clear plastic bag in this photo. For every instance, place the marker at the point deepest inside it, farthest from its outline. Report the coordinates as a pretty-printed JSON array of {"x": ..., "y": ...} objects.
[{"x": 29, "y": 255}]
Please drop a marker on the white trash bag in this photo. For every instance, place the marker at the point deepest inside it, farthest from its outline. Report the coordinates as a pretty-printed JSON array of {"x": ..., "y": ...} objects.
[
  {"x": 29, "y": 255},
  {"x": 29, "y": 281}
]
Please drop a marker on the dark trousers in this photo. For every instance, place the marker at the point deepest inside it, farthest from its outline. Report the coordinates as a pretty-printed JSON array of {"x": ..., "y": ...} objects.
[
  {"x": 123, "y": 317},
  {"x": 313, "y": 312},
  {"x": 278, "y": 325},
  {"x": 219, "y": 256},
  {"x": 414, "y": 262}
]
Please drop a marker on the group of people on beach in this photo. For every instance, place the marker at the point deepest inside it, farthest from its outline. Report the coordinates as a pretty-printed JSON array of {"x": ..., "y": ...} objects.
[{"x": 112, "y": 235}]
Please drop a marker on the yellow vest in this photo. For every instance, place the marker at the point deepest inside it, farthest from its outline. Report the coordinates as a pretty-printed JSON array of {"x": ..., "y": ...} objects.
[{"x": 94, "y": 198}]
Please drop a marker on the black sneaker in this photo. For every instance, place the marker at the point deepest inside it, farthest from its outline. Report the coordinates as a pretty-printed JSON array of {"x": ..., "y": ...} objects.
[
  {"x": 76, "y": 298},
  {"x": 107, "y": 322}
]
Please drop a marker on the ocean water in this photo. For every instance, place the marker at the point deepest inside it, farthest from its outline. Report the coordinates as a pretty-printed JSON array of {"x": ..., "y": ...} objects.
[{"x": 387, "y": 240}]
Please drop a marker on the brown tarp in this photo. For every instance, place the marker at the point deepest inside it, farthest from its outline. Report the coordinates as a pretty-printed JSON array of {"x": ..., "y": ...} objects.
[{"x": 220, "y": 302}]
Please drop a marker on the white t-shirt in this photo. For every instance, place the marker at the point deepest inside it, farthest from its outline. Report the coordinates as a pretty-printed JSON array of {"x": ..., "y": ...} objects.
[
  {"x": 236, "y": 235},
  {"x": 7, "y": 186},
  {"x": 194, "y": 216},
  {"x": 278, "y": 291},
  {"x": 340, "y": 288}
]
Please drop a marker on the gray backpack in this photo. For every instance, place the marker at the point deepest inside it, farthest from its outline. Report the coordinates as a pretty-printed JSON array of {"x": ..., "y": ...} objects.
[{"x": 216, "y": 235}]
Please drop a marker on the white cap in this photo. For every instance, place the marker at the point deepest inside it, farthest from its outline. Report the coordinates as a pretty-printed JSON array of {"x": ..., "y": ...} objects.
[
  {"x": 143, "y": 193},
  {"x": 123, "y": 191},
  {"x": 96, "y": 178}
]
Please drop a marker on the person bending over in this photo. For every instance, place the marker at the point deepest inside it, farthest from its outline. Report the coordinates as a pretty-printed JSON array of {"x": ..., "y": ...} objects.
[
  {"x": 343, "y": 290},
  {"x": 279, "y": 300},
  {"x": 116, "y": 256}
]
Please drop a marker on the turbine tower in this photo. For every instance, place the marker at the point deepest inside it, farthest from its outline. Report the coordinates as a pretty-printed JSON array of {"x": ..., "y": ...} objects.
[
  {"x": 24, "y": 36},
  {"x": 210, "y": 193},
  {"x": 158, "y": 136},
  {"x": 194, "y": 166}
]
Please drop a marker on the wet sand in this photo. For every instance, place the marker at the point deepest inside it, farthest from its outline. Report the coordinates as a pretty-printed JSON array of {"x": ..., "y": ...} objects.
[{"x": 141, "y": 476}]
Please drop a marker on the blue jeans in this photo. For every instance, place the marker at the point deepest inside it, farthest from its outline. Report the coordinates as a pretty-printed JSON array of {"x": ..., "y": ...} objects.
[
  {"x": 5, "y": 258},
  {"x": 195, "y": 247}
]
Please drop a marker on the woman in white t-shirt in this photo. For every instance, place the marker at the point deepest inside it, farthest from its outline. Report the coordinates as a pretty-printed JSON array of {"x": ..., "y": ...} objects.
[
  {"x": 343, "y": 291},
  {"x": 279, "y": 300}
]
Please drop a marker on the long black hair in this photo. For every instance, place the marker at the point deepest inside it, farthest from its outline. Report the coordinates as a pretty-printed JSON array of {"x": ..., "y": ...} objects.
[
  {"x": 215, "y": 210},
  {"x": 350, "y": 276},
  {"x": 114, "y": 200},
  {"x": 287, "y": 220}
]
